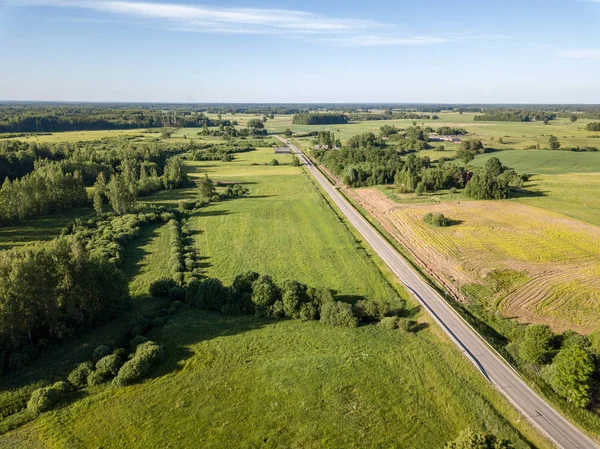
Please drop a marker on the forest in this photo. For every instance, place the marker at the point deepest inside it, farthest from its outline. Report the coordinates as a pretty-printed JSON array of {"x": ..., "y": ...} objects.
[{"x": 319, "y": 119}]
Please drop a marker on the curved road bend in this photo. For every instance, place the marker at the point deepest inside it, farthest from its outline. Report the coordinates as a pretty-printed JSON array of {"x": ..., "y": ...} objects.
[{"x": 491, "y": 365}]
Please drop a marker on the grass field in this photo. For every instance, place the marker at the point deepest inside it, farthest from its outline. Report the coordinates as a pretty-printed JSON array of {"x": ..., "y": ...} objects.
[
  {"x": 517, "y": 135},
  {"x": 42, "y": 228},
  {"x": 283, "y": 228},
  {"x": 244, "y": 382},
  {"x": 241, "y": 382},
  {"x": 536, "y": 265}
]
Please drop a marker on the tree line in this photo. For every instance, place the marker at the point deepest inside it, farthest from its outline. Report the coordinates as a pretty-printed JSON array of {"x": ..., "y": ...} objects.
[
  {"x": 50, "y": 291},
  {"x": 515, "y": 116},
  {"x": 366, "y": 160},
  {"x": 310, "y": 118},
  {"x": 71, "y": 118}
]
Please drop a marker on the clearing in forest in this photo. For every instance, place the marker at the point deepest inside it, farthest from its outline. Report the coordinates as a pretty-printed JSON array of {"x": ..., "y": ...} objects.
[{"x": 535, "y": 265}]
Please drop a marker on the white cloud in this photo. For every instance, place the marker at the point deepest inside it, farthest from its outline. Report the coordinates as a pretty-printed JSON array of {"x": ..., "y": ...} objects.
[
  {"x": 590, "y": 54},
  {"x": 211, "y": 19}
]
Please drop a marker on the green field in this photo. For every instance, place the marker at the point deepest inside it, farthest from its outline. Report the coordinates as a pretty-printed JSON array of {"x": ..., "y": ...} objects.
[
  {"x": 242, "y": 382},
  {"x": 562, "y": 181},
  {"x": 246, "y": 382}
]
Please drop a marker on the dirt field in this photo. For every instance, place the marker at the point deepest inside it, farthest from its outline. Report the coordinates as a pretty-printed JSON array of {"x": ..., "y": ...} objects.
[{"x": 532, "y": 264}]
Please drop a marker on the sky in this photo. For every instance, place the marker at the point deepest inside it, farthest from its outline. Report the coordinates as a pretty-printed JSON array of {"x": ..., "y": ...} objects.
[{"x": 268, "y": 51}]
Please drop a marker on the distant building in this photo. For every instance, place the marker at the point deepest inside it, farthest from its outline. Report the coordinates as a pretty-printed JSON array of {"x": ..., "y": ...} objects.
[
  {"x": 324, "y": 147},
  {"x": 282, "y": 150},
  {"x": 437, "y": 138}
]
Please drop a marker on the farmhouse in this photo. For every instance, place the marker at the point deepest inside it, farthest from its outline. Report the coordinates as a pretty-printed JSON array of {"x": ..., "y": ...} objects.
[{"x": 437, "y": 138}]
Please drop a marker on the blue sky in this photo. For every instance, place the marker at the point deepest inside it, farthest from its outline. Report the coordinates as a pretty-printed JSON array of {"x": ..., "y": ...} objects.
[{"x": 484, "y": 51}]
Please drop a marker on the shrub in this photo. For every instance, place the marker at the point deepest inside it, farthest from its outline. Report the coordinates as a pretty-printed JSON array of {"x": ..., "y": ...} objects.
[
  {"x": 109, "y": 365},
  {"x": 293, "y": 294},
  {"x": 368, "y": 310},
  {"x": 61, "y": 386},
  {"x": 139, "y": 326},
  {"x": 407, "y": 325},
  {"x": 208, "y": 294},
  {"x": 264, "y": 294},
  {"x": 160, "y": 288},
  {"x": 177, "y": 294},
  {"x": 308, "y": 311},
  {"x": 146, "y": 357},
  {"x": 78, "y": 377},
  {"x": 436, "y": 219},
  {"x": 472, "y": 440},
  {"x": 159, "y": 321},
  {"x": 95, "y": 378},
  {"x": 535, "y": 345},
  {"x": 137, "y": 340},
  {"x": 274, "y": 162},
  {"x": 338, "y": 314},
  {"x": 571, "y": 375},
  {"x": 389, "y": 322},
  {"x": 100, "y": 351},
  {"x": 42, "y": 399}
]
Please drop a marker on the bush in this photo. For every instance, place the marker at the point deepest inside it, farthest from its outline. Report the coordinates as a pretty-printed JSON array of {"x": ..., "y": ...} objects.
[
  {"x": 160, "y": 288},
  {"x": 95, "y": 378},
  {"x": 177, "y": 294},
  {"x": 571, "y": 375},
  {"x": 308, "y": 311},
  {"x": 407, "y": 325},
  {"x": 100, "y": 351},
  {"x": 42, "y": 399},
  {"x": 368, "y": 310},
  {"x": 159, "y": 321},
  {"x": 139, "y": 326},
  {"x": 472, "y": 440},
  {"x": 146, "y": 357},
  {"x": 137, "y": 340},
  {"x": 436, "y": 219},
  {"x": 61, "y": 386},
  {"x": 207, "y": 294},
  {"x": 389, "y": 322},
  {"x": 274, "y": 162},
  {"x": 535, "y": 345},
  {"x": 78, "y": 377},
  {"x": 109, "y": 365},
  {"x": 338, "y": 314}
]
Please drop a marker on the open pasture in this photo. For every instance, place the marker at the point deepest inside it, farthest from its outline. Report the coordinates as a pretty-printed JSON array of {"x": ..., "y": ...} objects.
[{"x": 248, "y": 382}]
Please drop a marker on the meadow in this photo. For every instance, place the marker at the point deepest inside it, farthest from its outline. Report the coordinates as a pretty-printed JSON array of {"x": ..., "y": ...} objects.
[{"x": 248, "y": 382}]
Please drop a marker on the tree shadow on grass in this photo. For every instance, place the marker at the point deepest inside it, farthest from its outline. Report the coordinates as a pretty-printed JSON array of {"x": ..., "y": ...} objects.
[
  {"x": 211, "y": 213},
  {"x": 135, "y": 252},
  {"x": 523, "y": 193},
  {"x": 233, "y": 183},
  {"x": 191, "y": 326}
]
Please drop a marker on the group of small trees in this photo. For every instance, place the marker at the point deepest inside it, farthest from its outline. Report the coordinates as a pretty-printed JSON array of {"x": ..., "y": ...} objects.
[
  {"x": 469, "y": 439},
  {"x": 568, "y": 362},
  {"x": 327, "y": 139},
  {"x": 436, "y": 219},
  {"x": 50, "y": 291},
  {"x": 593, "y": 126},
  {"x": 260, "y": 295},
  {"x": 493, "y": 182},
  {"x": 132, "y": 179},
  {"x": 319, "y": 119},
  {"x": 37, "y": 194},
  {"x": 468, "y": 149}
]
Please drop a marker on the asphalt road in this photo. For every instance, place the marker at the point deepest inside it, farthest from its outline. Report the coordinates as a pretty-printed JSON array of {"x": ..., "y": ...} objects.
[{"x": 551, "y": 423}]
